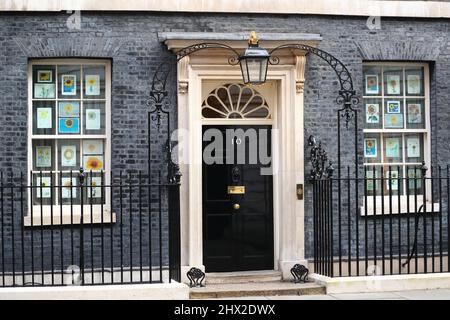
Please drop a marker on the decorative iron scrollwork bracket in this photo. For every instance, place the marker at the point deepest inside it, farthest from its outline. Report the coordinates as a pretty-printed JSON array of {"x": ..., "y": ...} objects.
[
  {"x": 348, "y": 99},
  {"x": 196, "y": 277},
  {"x": 319, "y": 158},
  {"x": 300, "y": 273}
]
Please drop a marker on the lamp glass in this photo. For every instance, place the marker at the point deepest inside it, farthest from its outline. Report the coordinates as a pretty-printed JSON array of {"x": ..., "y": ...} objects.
[{"x": 254, "y": 70}]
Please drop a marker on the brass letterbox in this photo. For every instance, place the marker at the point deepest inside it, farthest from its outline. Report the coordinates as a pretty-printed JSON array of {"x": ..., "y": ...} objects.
[{"x": 236, "y": 189}]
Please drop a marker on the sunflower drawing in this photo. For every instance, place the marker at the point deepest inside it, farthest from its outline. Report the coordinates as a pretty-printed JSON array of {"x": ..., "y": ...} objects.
[
  {"x": 69, "y": 85},
  {"x": 43, "y": 114},
  {"x": 69, "y": 123},
  {"x": 393, "y": 83},
  {"x": 91, "y": 115},
  {"x": 68, "y": 82},
  {"x": 68, "y": 154},
  {"x": 94, "y": 163},
  {"x": 370, "y": 148},
  {"x": 68, "y": 108},
  {"x": 372, "y": 114},
  {"x": 394, "y": 121}
]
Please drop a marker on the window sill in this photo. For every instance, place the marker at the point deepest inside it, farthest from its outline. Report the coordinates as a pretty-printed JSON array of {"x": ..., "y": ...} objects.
[
  {"x": 69, "y": 216},
  {"x": 394, "y": 208}
]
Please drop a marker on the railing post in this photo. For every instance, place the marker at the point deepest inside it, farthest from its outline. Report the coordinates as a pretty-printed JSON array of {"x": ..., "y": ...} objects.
[
  {"x": 330, "y": 170},
  {"x": 174, "y": 233},
  {"x": 320, "y": 177},
  {"x": 81, "y": 178},
  {"x": 424, "y": 170}
]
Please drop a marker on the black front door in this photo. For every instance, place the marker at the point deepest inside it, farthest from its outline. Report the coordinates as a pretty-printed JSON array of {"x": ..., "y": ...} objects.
[{"x": 237, "y": 199}]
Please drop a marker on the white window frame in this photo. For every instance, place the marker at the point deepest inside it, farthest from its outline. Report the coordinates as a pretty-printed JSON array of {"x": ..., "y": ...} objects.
[
  {"x": 395, "y": 209},
  {"x": 70, "y": 214}
]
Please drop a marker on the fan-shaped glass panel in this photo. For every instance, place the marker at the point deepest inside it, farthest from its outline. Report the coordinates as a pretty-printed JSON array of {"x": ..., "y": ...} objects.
[{"x": 235, "y": 101}]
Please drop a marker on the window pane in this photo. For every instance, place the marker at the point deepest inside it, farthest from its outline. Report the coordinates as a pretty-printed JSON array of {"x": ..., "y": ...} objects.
[
  {"x": 414, "y": 181},
  {"x": 69, "y": 82},
  {"x": 372, "y": 148},
  {"x": 44, "y": 82},
  {"x": 373, "y": 110},
  {"x": 95, "y": 191},
  {"x": 94, "y": 82},
  {"x": 94, "y": 117},
  {"x": 393, "y": 114},
  {"x": 69, "y": 117},
  {"x": 43, "y": 155},
  {"x": 69, "y": 195},
  {"x": 372, "y": 81},
  {"x": 93, "y": 155},
  {"x": 392, "y": 148},
  {"x": 44, "y": 116},
  {"x": 414, "y": 81},
  {"x": 399, "y": 105},
  {"x": 43, "y": 192},
  {"x": 414, "y": 147},
  {"x": 393, "y": 81},
  {"x": 415, "y": 114},
  {"x": 373, "y": 186},
  {"x": 69, "y": 155},
  {"x": 67, "y": 100},
  {"x": 393, "y": 183}
]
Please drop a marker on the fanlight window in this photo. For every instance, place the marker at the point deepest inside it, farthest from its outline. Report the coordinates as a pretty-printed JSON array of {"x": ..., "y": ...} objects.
[{"x": 235, "y": 101}]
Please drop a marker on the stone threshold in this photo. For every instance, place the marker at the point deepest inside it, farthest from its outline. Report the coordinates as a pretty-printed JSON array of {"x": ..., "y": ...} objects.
[
  {"x": 243, "y": 277},
  {"x": 235, "y": 290}
]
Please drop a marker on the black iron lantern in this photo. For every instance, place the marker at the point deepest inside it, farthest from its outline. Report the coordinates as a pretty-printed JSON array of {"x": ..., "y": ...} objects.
[{"x": 254, "y": 62}]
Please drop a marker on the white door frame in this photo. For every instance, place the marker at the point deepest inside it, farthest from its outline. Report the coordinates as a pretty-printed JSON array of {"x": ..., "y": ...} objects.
[{"x": 287, "y": 157}]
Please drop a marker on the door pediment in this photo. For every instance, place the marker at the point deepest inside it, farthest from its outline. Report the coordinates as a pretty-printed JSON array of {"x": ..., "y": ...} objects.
[{"x": 176, "y": 41}]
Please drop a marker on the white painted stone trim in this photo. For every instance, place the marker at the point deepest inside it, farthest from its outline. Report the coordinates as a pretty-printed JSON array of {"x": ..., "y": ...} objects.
[
  {"x": 165, "y": 291},
  {"x": 422, "y": 9},
  {"x": 237, "y": 36},
  {"x": 366, "y": 284},
  {"x": 68, "y": 216},
  {"x": 288, "y": 118}
]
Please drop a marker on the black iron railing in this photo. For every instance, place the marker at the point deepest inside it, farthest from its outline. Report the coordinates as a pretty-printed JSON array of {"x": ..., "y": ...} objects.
[
  {"x": 88, "y": 228},
  {"x": 382, "y": 223}
]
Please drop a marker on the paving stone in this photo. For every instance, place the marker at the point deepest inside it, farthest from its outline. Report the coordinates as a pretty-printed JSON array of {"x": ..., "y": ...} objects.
[
  {"x": 304, "y": 297},
  {"x": 438, "y": 294},
  {"x": 365, "y": 296}
]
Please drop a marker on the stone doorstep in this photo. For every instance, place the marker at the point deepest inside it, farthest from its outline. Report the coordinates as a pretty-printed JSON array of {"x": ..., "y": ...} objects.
[
  {"x": 277, "y": 288},
  {"x": 242, "y": 277}
]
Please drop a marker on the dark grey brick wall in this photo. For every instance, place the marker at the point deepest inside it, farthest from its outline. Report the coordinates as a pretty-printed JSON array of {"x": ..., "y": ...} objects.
[{"x": 130, "y": 41}]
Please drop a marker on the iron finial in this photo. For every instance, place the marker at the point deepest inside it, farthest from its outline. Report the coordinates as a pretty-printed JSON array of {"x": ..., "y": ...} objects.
[
  {"x": 424, "y": 169},
  {"x": 81, "y": 176}
]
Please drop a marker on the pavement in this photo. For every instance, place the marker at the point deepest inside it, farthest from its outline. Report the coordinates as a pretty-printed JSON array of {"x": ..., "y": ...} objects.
[{"x": 435, "y": 294}]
